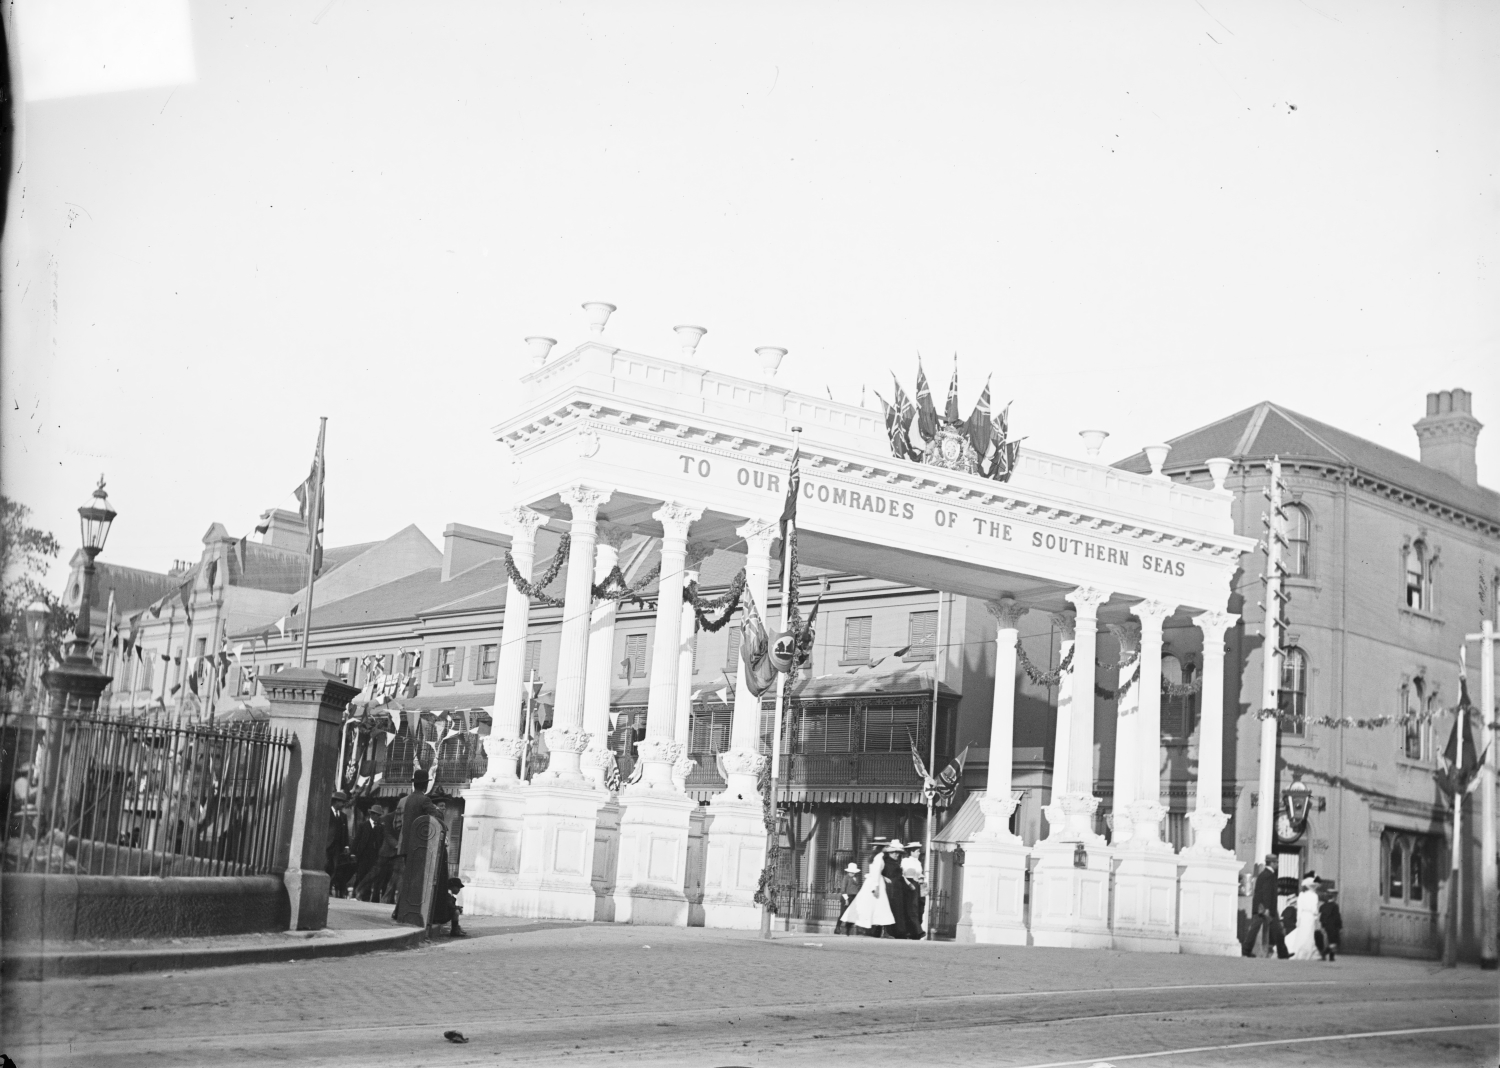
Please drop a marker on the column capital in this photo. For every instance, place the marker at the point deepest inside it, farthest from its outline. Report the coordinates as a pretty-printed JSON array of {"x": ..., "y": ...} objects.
[
  {"x": 675, "y": 519},
  {"x": 1213, "y": 625},
  {"x": 1064, "y": 622},
  {"x": 1152, "y": 615},
  {"x": 612, "y": 535},
  {"x": 522, "y": 523},
  {"x": 758, "y": 534},
  {"x": 1128, "y": 635},
  {"x": 1007, "y": 612},
  {"x": 1087, "y": 600},
  {"x": 585, "y": 502}
]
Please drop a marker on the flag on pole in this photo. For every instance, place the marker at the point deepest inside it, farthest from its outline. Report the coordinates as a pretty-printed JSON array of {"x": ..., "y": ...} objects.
[
  {"x": 978, "y": 427},
  {"x": 905, "y": 413},
  {"x": 927, "y": 417},
  {"x": 311, "y": 509},
  {"x": 951, "y": 414},
  {"x": 793, "y": 486},
  {"x": 213, "y": 573}
]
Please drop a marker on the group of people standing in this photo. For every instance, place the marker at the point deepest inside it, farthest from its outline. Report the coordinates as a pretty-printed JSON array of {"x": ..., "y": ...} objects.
[
  {"x": 889, "y": 899},
  {"x": 1309, "y": 927}
]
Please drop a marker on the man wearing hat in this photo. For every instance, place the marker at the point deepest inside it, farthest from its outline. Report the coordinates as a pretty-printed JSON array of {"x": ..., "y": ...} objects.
[
  {"x": 896, "y": 891},
  {"x": 916, "y": 890},
  {"x": 849, "y": 885},
  {"x": 337, "y": 852}
]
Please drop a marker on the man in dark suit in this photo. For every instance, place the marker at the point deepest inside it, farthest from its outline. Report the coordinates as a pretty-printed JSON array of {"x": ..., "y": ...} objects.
[
  {"x": 1263, "y": 911},
  {"x": 409, "y": 809}
]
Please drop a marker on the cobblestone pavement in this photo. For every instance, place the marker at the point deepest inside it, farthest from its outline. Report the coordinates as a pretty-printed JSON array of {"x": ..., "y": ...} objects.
[{"x": 602, "y": 994}]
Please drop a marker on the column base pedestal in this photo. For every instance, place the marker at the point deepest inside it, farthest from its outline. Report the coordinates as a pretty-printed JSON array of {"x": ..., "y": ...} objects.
[
  {"x": 1209, "y": 903},
  {"x": 489, "y": 861},
  {"x": 307, "y": 891},
  {"x": 556, "y": 881},
  {"x": 653, "y": 856},
  {"x": 1145, "y": 900},
  {"x": 736, "y": 834},
  {"x": 1070, "y": 904},
  {"x": 606, "y": 858},
  {"x": 994, "y": 892}
]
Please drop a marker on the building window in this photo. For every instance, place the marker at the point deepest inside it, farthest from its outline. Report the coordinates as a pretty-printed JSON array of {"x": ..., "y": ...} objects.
[
  {"x": 489, "y": 661},
  {"x": 709, "y": 731},
  {"x": 829, "y": 730},
  {"x": 446, "y": 663},
  {"x": 921, "y": 636},
  {"x": 1293, "y": 696},
  {"x": 634, "y": 664},
  {"x": 532, "y": 666},
  {"x": 1419, "y": 567},
  {"x": 856, "y": 640},
  {"x": 1407, "y": 862},
  {"x": 1413, "y": 702},
  {"x": 1298, "y": 540},
  {"x": 343, "y": 667},
  {"x": 892, "y": 730},
  {"x": 732, "y": 654}
]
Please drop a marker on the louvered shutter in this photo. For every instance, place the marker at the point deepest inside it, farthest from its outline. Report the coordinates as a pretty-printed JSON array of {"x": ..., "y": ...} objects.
[
  {"x": 857, "y": 638},
  {"x": 922, "y": 633},
  {"x": 732, "y": 657},
  {"x": 473, "y": 663},
  {"x": 432, "y": 670},
  {"x": 458, "y": 663}
]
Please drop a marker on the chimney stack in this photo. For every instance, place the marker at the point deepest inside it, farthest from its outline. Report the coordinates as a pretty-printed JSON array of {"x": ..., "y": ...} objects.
[{"x": 1449, "y": 434}]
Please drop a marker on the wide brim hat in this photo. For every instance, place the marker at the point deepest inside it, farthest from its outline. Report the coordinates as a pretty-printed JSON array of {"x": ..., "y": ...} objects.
[
  {"x": 893, "y": 846},
  {"x": 852, "y": 868},
  {"x": 340, "y": 795}
]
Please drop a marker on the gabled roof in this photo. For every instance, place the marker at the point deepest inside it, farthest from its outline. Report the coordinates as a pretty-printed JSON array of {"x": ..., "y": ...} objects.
[
  {"x": 1268, "y": 430},
  {"x": 134, "y": 588}
]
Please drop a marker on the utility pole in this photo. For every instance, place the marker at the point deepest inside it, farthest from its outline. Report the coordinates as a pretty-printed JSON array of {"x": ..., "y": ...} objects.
[
  {"x": 1274, "y": 631},
  {"x": 1489, "y": 868}
]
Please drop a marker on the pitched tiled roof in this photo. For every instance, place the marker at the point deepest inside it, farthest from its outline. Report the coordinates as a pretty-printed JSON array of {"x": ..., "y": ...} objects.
[
  {"x": 1267, "y": 430},
  {"x": 134, "y": 588}
]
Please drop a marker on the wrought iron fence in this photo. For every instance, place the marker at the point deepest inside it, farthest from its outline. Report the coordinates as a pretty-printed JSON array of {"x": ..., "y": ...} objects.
[
  {"x": 144, "y": 795},
  {"x": 826, "y": 907}
]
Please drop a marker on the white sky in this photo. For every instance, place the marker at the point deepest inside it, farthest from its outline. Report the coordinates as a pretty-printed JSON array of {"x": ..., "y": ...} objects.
[{"x": 359, "y": 210}]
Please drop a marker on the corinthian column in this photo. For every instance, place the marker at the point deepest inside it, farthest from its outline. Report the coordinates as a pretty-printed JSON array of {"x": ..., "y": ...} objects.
[
  {"x": 566, "y": 738},
  {"x": 998, "y": 803},
  {"x": 1078, "y": 800},
  {"x": 681, "y": 721},
  {"x": 1062, "y": 737},
  {"x": 1147, "y": 811},
  {"x": 522, "y": 524},
  {"x": 1127, "y": 722},
  {"x": 656, "y": 751},
  {"x": 1208, "y": 817},
  {"x": 743, "y": 761},
  {"x": 601, "y": 656}
]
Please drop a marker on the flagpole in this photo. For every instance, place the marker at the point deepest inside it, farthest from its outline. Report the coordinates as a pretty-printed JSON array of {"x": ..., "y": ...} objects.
[
  {"x": 786, "y": 602},
  {"x": 314, "y": 518},
  {"x": 111, "y": 662},
  {"x": 939, "y": 660}
]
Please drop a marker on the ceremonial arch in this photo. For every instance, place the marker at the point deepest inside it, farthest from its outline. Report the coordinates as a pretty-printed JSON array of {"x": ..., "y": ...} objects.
[{"x": 606, "y": 441}]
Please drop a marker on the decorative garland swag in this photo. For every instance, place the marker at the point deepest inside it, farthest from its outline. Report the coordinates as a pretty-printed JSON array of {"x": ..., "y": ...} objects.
[
  {"x": 702, "y": 606},
  {"x": 613, "y": 588}
]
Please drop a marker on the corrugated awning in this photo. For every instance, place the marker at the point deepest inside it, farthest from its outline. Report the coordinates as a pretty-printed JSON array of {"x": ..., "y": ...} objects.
[{"x": 966, "y": 822}]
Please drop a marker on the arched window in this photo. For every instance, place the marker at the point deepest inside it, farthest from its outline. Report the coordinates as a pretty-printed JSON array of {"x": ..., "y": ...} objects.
[
  {"x": 1419, "y": 567},
  {"x": 1292, "y": 704},
  {"x": 1413, "y": 703},
  {"x": 1298, "y": 540}
]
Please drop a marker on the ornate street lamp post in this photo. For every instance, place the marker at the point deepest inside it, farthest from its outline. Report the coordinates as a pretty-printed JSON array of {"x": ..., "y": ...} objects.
[{"x": 77, "y": 682}]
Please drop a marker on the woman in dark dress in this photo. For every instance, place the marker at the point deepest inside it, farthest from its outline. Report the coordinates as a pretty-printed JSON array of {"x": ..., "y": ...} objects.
[{"x": 895, "y": 889}]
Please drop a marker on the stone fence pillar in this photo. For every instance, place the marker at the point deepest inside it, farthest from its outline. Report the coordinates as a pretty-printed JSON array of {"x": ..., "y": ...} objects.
[{"x": 309, "y": 705}]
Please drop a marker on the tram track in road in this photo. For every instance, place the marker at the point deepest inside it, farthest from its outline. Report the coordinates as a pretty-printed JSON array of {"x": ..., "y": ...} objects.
[{"x": 1035, "y": 1026}]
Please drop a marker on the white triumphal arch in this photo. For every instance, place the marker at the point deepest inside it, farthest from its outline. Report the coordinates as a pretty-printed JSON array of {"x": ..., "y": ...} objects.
[{"x": 607, "y": 441}]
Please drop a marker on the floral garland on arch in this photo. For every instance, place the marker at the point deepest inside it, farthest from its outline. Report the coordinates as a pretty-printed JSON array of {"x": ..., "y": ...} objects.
[
  {"x": 1364, "y": 723},
  {"x": 727, "y": 603},
  {"x": 1130, "y": 680},
  {"x": 1036, "y": 674},
  {"x": 534, "y": 590}
]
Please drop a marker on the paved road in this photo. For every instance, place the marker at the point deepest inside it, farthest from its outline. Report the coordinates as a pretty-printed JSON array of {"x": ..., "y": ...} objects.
[{"x": 561, "y": 994}]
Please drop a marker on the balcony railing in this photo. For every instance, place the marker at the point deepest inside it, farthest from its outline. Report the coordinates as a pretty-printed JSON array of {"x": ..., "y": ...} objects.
[{"x": 890, "y": 770}]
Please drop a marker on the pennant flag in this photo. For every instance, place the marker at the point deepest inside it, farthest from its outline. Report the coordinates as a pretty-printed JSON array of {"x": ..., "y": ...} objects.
[
  {"x": 793, "y": 486},
  {"x": 135, "y": 632},
  {"x": 213, "y": 573},
  {"x": 927, "y": 417},
  {"x": 281, "y": 626},
  {"x": 978, "y": 426},
  {"x": 947, "y": 782},
  {"x": 186, "y": 594},
  {"x": 951, "y": 414},
  {"x": 264, "y": 524},
  {"x": 413, "y": 722},
  {"x": 239, "y": 552},
  {"x": 312, "y": 496}
]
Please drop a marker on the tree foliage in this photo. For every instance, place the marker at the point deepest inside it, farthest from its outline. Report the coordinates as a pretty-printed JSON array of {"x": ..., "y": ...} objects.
[{"x": 25, "y": 554}]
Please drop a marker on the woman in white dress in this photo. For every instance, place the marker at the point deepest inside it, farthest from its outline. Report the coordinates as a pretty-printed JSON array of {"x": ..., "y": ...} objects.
[
  {"x": 870, "y": 907},
  {"x": 1301, "y": 941}
]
